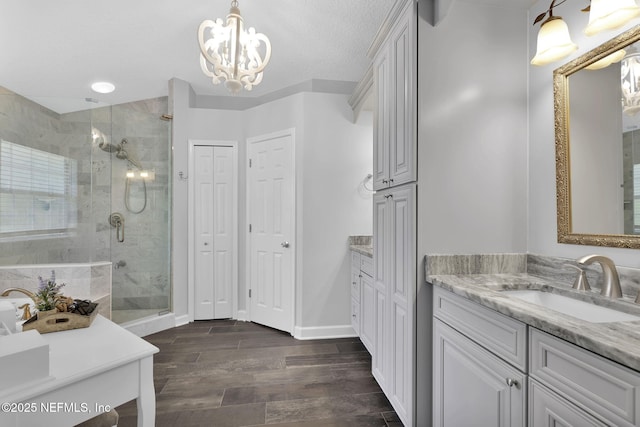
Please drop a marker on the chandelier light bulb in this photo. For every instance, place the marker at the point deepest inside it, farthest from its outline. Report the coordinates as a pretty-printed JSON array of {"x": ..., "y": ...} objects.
[{"x": 230, "y": 54}]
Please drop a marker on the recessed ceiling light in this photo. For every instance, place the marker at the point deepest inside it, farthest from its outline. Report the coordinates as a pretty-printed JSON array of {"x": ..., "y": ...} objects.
[{"x": 103, "y": 87}]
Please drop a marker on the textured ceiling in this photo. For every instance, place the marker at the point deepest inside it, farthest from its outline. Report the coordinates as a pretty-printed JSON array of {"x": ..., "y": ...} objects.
[{"x": 53, "y": 50}]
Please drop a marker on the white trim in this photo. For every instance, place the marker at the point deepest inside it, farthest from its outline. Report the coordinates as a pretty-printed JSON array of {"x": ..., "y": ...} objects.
[
  {"x": 243, "y": 316},
  {"x": 297, "y": 247},
  {"x": 191, "y": 226},
  {"x": 152, "y": 324},
  {"x": 182, "y": 320},
  {"x": 323, "y": 332}
]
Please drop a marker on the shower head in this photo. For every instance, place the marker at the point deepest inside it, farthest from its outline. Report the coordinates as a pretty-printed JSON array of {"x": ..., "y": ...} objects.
[
  {"x": 122, "y": 154},
  {"x": 108, "y": 147}
]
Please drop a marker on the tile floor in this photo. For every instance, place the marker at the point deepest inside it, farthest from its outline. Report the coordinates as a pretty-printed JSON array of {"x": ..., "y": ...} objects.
[{"x": 228, "y": 373}]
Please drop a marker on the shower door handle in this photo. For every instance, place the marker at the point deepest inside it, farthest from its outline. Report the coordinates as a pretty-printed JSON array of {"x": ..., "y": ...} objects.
[{"x": 117, "y": 221}]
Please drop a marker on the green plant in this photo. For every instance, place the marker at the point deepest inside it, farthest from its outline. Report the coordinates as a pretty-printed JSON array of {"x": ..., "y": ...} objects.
[{"x": 48, "y": 293}]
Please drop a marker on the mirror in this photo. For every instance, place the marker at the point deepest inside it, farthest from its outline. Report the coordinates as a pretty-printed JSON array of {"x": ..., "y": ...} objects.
[{"x": 597, "y": 130}]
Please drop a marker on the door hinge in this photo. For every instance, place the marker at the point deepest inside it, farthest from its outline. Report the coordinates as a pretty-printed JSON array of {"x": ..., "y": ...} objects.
[
  {"x": 249, "y": 162},
  {"x": 249, "y": 293},
  {"x": 249, "y": 228}
]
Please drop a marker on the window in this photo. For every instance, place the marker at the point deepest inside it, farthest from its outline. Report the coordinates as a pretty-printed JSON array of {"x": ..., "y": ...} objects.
[{"x": 38, "y": 192}]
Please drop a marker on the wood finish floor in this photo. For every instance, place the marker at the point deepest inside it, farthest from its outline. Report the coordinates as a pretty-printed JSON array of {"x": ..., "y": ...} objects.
[{"x": 229, "y": 373}]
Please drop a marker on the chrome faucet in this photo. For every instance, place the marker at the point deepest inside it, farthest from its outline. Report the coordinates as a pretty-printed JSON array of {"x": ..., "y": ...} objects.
[{"x": 610, "y": 281}]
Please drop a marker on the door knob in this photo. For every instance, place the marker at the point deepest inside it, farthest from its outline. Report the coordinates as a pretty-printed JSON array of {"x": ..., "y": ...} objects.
[{"x": 284, "y": 244}]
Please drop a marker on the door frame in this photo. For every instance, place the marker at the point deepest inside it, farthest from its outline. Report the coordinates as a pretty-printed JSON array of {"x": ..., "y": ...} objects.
[
  {"x": 297, "y": 247},
  {"x": 191, "y": 250}
]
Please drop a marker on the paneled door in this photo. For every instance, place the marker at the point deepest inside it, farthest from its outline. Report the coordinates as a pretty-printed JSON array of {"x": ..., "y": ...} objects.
[
  {"x": 214, "y": 234},
  {"x": 271, "y": 204}
]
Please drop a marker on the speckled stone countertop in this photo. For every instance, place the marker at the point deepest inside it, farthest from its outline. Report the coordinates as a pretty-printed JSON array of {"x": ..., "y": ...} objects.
[
  {"x": 361, "y": 244},
  {"x": 618, "y": 341}
]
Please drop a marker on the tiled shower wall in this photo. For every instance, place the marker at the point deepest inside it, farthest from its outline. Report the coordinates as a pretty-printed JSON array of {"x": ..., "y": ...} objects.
[
  {"x": 141, "y": 262},
  {"x": 142, "y": 278}
]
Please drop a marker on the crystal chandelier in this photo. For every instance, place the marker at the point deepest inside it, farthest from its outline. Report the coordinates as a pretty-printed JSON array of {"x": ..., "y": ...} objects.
[{"x": 232, "y": 55}]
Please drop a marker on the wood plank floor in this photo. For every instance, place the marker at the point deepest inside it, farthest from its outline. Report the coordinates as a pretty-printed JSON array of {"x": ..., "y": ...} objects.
[{"x": 228, "y": 373}]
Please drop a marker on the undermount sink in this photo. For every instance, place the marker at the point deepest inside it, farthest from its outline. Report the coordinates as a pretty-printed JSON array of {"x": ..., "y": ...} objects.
[{"x": 572, "y": 307}]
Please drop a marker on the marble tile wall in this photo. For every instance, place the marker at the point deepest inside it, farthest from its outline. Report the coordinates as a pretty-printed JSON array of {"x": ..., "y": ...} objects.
[
  {"x": 550, "y": 268},
  {"x": 26, "y": 123},
  {"x": 143, "y": 280},
  {"x": 82, "y": 281}
]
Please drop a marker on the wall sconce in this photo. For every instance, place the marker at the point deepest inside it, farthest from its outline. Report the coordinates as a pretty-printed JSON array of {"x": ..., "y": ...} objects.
[{"x": 554, "y": 41}]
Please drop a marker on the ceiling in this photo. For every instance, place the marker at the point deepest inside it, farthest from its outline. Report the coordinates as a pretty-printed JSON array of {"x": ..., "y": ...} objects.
[{"x": 53, "y": 50}]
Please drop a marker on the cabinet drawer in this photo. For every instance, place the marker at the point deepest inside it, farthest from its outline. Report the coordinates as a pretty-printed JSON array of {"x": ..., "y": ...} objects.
[
  {"x": 498, "y": 333},
  {"x": 366, "y": 265},
  {"x": 547, "y": 409},
  {"x": 355, "y": 316},
  {"x": 355, "y": 260},
  {"x": 603, "y": 388},
  {"x": 355, "y": 286}
]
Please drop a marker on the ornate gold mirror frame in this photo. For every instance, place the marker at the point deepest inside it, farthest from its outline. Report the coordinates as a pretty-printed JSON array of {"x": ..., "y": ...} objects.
[{"x": 563, "y": 176}]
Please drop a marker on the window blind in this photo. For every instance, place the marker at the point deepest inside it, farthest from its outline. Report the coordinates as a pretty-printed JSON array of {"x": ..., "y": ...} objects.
[{"x": 38, "y": 191}]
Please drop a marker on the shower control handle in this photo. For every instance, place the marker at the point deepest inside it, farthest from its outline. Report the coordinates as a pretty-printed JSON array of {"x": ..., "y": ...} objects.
[{"x": 117, "y": 221}]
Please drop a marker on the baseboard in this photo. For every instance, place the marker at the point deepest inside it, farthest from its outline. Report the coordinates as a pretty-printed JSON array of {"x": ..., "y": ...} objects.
[
  {"x": 151, "y": 325},
  {"x": 323, "y": 332},
  {"x": 242, "y": 315},
  {"x": 182, "y": 320}
]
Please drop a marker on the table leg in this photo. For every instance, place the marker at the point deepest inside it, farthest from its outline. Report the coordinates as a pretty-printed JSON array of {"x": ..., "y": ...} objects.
[{"x": 147, "y": 397}]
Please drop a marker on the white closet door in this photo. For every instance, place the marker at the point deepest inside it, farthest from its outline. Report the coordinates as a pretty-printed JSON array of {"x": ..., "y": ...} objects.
[{"x": 213, "y": 219}]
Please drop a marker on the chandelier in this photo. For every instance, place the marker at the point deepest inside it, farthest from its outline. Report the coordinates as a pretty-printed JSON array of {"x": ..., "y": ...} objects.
[
  {"x": 232, "y": 55},
  {"x": 630, "y": 80},
  {"x": 554, "y": 41}
]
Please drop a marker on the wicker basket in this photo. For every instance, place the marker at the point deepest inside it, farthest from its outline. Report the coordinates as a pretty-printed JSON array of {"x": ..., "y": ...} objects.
[{"x": 60, "y": 322}]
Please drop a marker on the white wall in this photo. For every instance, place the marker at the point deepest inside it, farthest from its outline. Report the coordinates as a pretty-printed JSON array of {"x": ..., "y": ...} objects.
[
  {"x": 472, "y": 131},
  {"x": 542, "y": 187},
  {"x": 332, "y": 156},
  {"x": 472, "y": 146}
]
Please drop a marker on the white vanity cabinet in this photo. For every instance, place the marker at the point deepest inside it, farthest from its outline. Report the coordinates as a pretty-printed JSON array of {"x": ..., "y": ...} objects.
[
  {"x": 362, "y": 298},
  {"x": 492, "y": 370},
  {"x": 479, "y": 365},
  {"x": 588, "y": 389},
  {"x": 394, "y": 79},
  {"x": 394, "y": 245}
]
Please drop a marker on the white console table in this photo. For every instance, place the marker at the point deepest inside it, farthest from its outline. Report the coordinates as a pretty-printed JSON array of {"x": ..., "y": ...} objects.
[{"x": 91, "y": 368}]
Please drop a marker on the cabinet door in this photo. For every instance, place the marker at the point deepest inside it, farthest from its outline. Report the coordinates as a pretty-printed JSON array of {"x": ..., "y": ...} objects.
[
  {"x": 401, "y": 294},
  {"x": 402, "y": 144},
  {"x": 381, "y": 120},
  {"x": 355, "y": 316},
  {"x": 473, "y": 387},
  {"x": 381, "y": 277},
  {"x": 379, "y": 356},
  {"x": 548, "y": 409},
  {"x": 367, "y": 313}
]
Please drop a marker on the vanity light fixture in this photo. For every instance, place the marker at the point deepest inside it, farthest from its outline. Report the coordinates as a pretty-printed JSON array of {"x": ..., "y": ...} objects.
[
  {"x": 231, "y": 54},
  {"x": 607, "y": 60},
  {"x": 103, "y": 87},
  {"x": 554, "y": 41}
]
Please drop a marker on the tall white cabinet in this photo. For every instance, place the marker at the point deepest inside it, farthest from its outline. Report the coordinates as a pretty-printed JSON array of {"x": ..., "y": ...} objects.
[
  {"x": 394, "y": 77},
  {"x": 394, "y": 211}
]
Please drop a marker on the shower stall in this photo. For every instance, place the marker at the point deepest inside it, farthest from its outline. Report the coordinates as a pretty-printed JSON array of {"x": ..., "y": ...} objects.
[{"x": 114, "y": 199}]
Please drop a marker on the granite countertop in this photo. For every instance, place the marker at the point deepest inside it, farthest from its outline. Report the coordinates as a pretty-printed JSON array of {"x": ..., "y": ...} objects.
[
  {"x": 361, "y": 244},
  {"x": 618, "y": 341}
]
